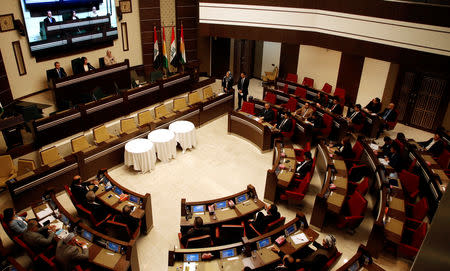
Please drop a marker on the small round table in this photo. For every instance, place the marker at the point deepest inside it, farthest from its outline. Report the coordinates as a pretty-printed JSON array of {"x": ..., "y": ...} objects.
[
  {"x": 165, "y": 144},
  {"x": 140, "y": 153},
  {"x": 184, "y": 134}
]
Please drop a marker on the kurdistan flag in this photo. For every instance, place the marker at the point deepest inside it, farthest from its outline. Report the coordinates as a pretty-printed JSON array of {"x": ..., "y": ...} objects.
[
  {"x": 164, "y": 52},
  {"x": 182, "y": 49},
  {"x": 173, "y": 48},
  {"x": 156, "y": 58}
]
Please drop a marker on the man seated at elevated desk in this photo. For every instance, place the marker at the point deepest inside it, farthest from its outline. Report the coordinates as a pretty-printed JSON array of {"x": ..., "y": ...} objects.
[
  {"x": 49, "y": 19},
  {"x": 305, "y": 111},
  {"x": 196, "y": 231},
  {"x": 57, "y": 72},
  {"x": 109, "y": 59},
  {"x": 267, "y": 114},
  {"x": 311, "y": 260}
]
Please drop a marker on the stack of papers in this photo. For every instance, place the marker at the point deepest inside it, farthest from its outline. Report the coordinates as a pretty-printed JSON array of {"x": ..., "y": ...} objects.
[
  {"x": 383, "y": 161},
  {"x": 374, "y": 146},
  {"x": 299, "y": 238},
  {"x": 45, "y": 212},
  {"x": 190, "y": 266},
  {"x": 48, "y": 218}
]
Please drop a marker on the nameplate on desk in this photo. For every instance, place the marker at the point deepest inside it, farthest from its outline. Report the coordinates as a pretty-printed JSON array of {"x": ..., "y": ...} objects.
[
  {"x": 143, "y": 92},
  {"x": 176, "y": 81},
  {"x": 103, "y": 106},
  {"x": 58, "y": 121},
  {"x": 91, "y": 76},
  {"x": 217, "y": 102},
  {"x": 248, "y": 123}
]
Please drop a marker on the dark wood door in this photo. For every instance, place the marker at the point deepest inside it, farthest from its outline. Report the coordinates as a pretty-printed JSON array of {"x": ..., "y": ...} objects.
[
  {"x": 220, "y": 57},
  {"x": 243, "y": 57},
  {"x": 422, "y": 99}
]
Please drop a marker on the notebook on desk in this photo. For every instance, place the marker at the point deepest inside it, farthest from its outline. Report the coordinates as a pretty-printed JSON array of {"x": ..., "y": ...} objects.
[{"x": 107, "y": 258}]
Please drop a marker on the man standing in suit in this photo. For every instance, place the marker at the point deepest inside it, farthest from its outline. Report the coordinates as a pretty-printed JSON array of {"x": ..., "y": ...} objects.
[
  {"x": 434, "y": 145},
  {"x": 242, "y": 89},
  {"x": 227, "y": 82},
  {"x": 304, "y": 167},
  {"x": 304, "y": 112},
  {"x": 58, "y": 71},
  {"x": 68, "y": 255},
  {"x": 336, "y": 107},
  {"x": 388, "y": 115},
  {"x": 267, "y": 114},
  {"x": 49, "y": 19}
]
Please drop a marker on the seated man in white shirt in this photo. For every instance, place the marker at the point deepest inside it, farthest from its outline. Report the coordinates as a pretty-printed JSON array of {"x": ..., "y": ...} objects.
[
  {"x": 109, "y": 59},
  {"x": 434, "y": 145}
]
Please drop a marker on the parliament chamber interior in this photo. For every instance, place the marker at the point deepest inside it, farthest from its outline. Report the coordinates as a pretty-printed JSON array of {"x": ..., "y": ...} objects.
[{"x": 188, "y": 135}]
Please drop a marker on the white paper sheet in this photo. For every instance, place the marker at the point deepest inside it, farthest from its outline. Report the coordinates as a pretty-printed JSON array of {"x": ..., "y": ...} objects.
[{"x": 299, "y": 238}]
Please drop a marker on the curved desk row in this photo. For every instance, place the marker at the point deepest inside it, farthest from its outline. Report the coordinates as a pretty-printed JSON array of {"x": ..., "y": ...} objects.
[
  {"x": 99, "y": 244},
  {"x": 246, "y": 205},
  {"x": 30, "y": 187},
  {"x": 247, "y": 126},
  {"x": 310, "y": 92},
  {"x": 328, "y": 199},
  {"x": 255, "y": 253},
  {"x": 362, "y": 260}
]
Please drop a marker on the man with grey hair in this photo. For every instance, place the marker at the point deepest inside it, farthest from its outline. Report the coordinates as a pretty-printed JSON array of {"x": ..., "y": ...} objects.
[
  {"x": 227, "y": 82},
  {"x": 109, "y": 59},
  {"x": 67, "y": 253},
  {"x": 98, "y": 210}
]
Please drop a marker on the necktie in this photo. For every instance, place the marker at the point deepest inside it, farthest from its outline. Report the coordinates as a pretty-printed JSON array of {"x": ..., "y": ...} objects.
[
  {"x": 333, "y": 107},
  {"x": 283, "y": 123},
  {"x": 59, "y": 73},
  {"x": 386, "y": 114},
  {"x": 304, "y": 114},
  {"x": 353, "y": 115}
]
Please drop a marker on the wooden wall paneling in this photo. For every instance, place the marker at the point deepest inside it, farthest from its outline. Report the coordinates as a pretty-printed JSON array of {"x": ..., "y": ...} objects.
[
  {"x": 5, "y": 90},
  {"x": 288, "y": 59},
  {"x": 149, "y": 16},
  {"x": 187, "y": 14},
  {"x": 394, "y": 10},
  {"x": 220, "y": 57},
  {"x": 349, "y": 75}
]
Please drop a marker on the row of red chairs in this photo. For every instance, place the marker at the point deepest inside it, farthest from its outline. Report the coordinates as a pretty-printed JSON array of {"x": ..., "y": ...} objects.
[{"x": 309, "y": 82}]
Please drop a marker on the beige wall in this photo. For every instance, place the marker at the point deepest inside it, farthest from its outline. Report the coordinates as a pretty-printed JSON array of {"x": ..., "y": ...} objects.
[
  {"x": 373, "y": 80},
  {"x": 271, "y": 55},
  {"x": 35, "y": 79},
  {"x": 320, "y": 64}
]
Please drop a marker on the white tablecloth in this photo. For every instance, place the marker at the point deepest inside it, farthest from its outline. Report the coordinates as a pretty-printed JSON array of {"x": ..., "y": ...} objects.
[
  {"x": 184, "y": 134},
  {"x": 165, "y": 144},
  {"x": 140, "y": 153}
]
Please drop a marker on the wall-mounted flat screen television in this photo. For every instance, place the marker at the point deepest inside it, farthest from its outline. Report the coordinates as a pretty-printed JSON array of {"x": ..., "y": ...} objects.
[{"x": 56, "y": 26}]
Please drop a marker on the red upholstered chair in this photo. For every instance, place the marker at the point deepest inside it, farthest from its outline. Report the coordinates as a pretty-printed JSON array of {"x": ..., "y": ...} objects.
[
  {"x": 270, "y": 98},
  {"x": 275, "y": 115},
  {"x": 297, "y": 180},
  {"x": 300, "y": 92},
  {"x": 197, "y": 242},
  {"x": 299, "y": 153},
  {"x": 444, "y": 159},
  {"x": 248, "y": 108},
  {"x": 327, "y": 88},
  {"x": 354, "y": 214},
  {"x": 411, "y": 240},
  {"x": 277, "y": 223},
  {"x": 417, "y": 211},
  {"x": 392, "y": 124},
  {"x": 121, "y": 231},
  {"x": 362, "y": 186},
  {"x": 296, "y": 195},
  {"x": 327, "y": 122},
  {"x": 69, "y": 192},
  {"x": 88, "y": 214},
  {"x": 410, "y": 183},
  {"x": 340, "y": 92},
  {"x": 291, "y": 105},
  {"x": 357, "y": 172},
  {"x": 285, "y": 89},
  {"x": 357, "y": 150},
  {"x": 412, "y": 165},
  {"x": 292, "y": 77},
  {"x": 289, "y": 134},
  {"x": 230, "y": 233},
  {"x": 308, "y": 82},
  {"x": 358, "y": 127},
  {"x": 400, "y": 145},
  {"x": 332, "y": 261},
  {"x": 49, "y": 263}
]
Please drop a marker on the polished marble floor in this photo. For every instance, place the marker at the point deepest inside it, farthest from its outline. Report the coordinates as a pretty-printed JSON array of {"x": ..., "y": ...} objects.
[{"x": 221, "y": 164}]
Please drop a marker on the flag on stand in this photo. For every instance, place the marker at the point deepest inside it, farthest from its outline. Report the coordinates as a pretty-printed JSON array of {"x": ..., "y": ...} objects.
[
  {"x": 182, "y": 49},
  {"x": 156, "y": 56},
  {"x": 164, "y": 56},
  {"x": 173, "y": 50}
]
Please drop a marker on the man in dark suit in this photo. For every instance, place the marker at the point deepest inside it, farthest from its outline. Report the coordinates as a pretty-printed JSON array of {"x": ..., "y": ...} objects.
[
  {"x": 227, "y": 82},
  {"x": 394, "y": 159},
  {"x": 68, "y": 255},
  {"x": 37, "y": 238},
  {"x": 374, "y": 106},
  {"x": 126, "y": 218},
  {"x": 196, "y": 231},
  {"x": 242, "y": 89},
  {"x": 336, "y": 107},
  {"x": 388, "y": 115},
  {"x": 304, "y": 167},
  {"x": 79, "y": 189},
  {"x": 58, "y": 72},
  {"x": 267, "y": 114},
  {"x": 98, "y": 210},
  {"x": 434, "y": 145},
  {"x": 386, "y": 148},
  {"x": 49, "y": 19},
  {"x": 356, "y": 117},
  {"x": 284, "y": 126},
  {"x": 262, "y": 220}
]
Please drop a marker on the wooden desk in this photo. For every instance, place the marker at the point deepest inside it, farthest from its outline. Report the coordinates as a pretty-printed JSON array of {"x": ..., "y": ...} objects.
[
  {"x": 247, "y": 127},
  {"x": 362, "y": 260},
  {"x": 241, "y": 211}
]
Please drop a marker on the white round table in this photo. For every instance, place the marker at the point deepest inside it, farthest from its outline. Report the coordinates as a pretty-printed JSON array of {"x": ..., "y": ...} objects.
[
  {"x": 140, "y": 153},
  {"x": 165, "y": 144},
  {"x": 184, "y": 134}
]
